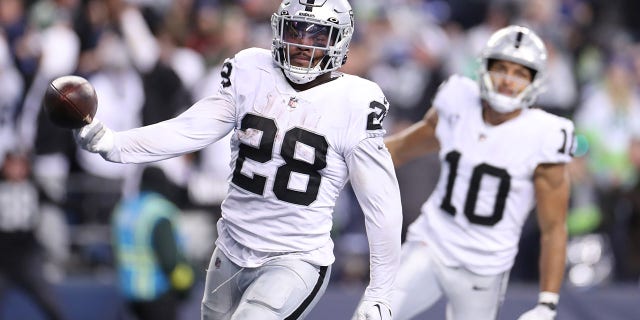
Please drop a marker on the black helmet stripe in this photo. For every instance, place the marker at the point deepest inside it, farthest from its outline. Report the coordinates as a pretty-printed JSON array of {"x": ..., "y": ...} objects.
[
  {"x": 309, "y": 6},
  {"x": 518, "y": 39}
]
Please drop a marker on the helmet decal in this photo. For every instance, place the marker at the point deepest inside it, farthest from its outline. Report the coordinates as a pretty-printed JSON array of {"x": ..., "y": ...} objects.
[{"x": 518, "y": 39}]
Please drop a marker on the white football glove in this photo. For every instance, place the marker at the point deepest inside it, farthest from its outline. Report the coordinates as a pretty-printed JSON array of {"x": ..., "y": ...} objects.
[
  {"x": 370, "y": 310},
  {"x": 540, "y": 312},
  {"x": 546, "y": 308},
  {"x": 95, "y": 137}
]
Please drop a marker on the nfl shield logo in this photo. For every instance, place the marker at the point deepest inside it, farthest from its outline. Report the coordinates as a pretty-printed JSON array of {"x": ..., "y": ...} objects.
[{"x": 293, "y": 102}]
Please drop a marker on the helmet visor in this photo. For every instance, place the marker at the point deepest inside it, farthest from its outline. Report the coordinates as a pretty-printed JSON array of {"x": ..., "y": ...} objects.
[
  {"x": 312, "y": 42},
  {"x": 306, "y": 34}
]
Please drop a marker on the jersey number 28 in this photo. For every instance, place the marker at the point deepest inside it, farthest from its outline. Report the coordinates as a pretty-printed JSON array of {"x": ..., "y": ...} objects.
[{"x": 264, "y": 153}]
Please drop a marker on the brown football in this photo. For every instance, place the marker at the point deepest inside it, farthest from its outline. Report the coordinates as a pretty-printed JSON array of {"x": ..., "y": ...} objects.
[{"x": 70, "y": 102}]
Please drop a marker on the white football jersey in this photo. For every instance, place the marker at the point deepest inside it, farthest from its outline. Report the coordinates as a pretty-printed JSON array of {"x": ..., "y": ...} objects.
[
  {"x": 291, "y": 154},
  {"x": 485, "y": 191}
]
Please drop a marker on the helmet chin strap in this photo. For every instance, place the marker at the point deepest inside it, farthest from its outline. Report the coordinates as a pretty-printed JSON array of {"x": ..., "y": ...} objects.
[
  {"x": 299, "y": 78},
  {"x": 502, "y": 103},
  {"x": 303, "y": 76}
]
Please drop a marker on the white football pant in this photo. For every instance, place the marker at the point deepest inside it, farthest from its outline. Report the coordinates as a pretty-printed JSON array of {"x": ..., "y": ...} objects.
[
  {"x": 284, "y": 288},
  {"x": 423, "y": 279}
]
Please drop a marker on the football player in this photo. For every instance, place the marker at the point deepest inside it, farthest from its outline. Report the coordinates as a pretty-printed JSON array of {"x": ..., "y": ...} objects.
[
  {"x": 300, "y": 131},
  {"x": 499, "y": 159}
]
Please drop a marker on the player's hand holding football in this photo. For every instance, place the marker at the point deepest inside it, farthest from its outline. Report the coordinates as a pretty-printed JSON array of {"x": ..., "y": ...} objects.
[
  {"x": 371, "y": 310},
  {"x": 95, "y": 137}
]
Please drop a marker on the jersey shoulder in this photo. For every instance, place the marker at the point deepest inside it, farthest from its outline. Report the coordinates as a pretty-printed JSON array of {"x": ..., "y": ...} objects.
[
  {"x": 355, "y": 93},
  {"x": 355, "y": 111},
  {"x": 245, "y": 71},
  {"x": 556, "y": 134},
  {"x": 366, "y": 100},
  {"x": 360, "y": 88},
  {"x": 456, "y": 94},
  {"x": 253, "y": 58},
  {"x": 543, "y": 120}
]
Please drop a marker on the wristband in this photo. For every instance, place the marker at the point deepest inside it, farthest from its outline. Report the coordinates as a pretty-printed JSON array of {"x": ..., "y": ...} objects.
[{"x": 549, "y": 299}]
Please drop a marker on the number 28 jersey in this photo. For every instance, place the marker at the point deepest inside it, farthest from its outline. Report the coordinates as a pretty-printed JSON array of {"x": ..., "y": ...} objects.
[
  {"x": 485, "y": 192},
  {"x": 291, "y": 154}
]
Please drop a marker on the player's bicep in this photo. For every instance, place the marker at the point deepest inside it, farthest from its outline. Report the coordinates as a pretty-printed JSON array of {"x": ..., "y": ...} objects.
[
  {"x": 552, "y": 187},
  {"x": 373, "y": 178},
  {"x": 369, "y": 162}
]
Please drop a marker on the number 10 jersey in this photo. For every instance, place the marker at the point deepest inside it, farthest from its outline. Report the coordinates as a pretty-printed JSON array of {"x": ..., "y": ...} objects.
[{"x": 485, "y": 192}]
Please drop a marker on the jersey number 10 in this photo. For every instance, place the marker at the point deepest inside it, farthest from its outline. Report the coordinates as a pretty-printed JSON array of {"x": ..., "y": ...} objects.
[{"x": 453, "y": 158}]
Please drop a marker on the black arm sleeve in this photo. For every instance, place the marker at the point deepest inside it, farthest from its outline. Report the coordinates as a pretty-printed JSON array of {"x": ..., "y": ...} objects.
[{"x": 164, "y": 245}]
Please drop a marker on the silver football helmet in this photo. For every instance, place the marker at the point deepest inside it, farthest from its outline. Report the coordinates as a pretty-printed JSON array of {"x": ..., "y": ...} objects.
[
  {"x": 329, "y": 23},
  {"x": 515, "y": 44}
]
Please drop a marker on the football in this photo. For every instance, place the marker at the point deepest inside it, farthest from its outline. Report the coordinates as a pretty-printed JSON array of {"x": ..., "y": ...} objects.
[{"x": 70, "y": 102}]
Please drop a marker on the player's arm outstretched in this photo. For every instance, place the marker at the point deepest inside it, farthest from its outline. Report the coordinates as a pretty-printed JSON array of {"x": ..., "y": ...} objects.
[
  {"x": 552, "y": 195},
  {"x": 206, "y": 121},
  {"x": 414, "y": 141}
]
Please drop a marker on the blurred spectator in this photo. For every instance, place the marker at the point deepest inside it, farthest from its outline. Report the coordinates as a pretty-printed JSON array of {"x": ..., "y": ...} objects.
[
  {"x": 48, "y": 37},
  {"x": 22, "y": 262},
  {"x": 546, "y": 17},
  {"x": 10, "y": 95},
  {"x": 467, "y": 44},
  {"x": 411, "y": 52},
  {"x": 607, "y": 118},
  {"x": 561, "y": 93},
  {"x": 205, "y": 35},
  {"x": 209, "y": 180},
  {"x": 119, "y": 86},
  {"x": 152, "y": 270},
  {"x": 633, "y": 239},
  {"x": 168, "y": 72},
  {"x": 52, "y": 37},
  {"x": 22, "y": 45}
]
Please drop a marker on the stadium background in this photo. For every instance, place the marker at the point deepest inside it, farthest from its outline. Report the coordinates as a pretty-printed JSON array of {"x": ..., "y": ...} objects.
[{"x": 148, "y": 72}]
